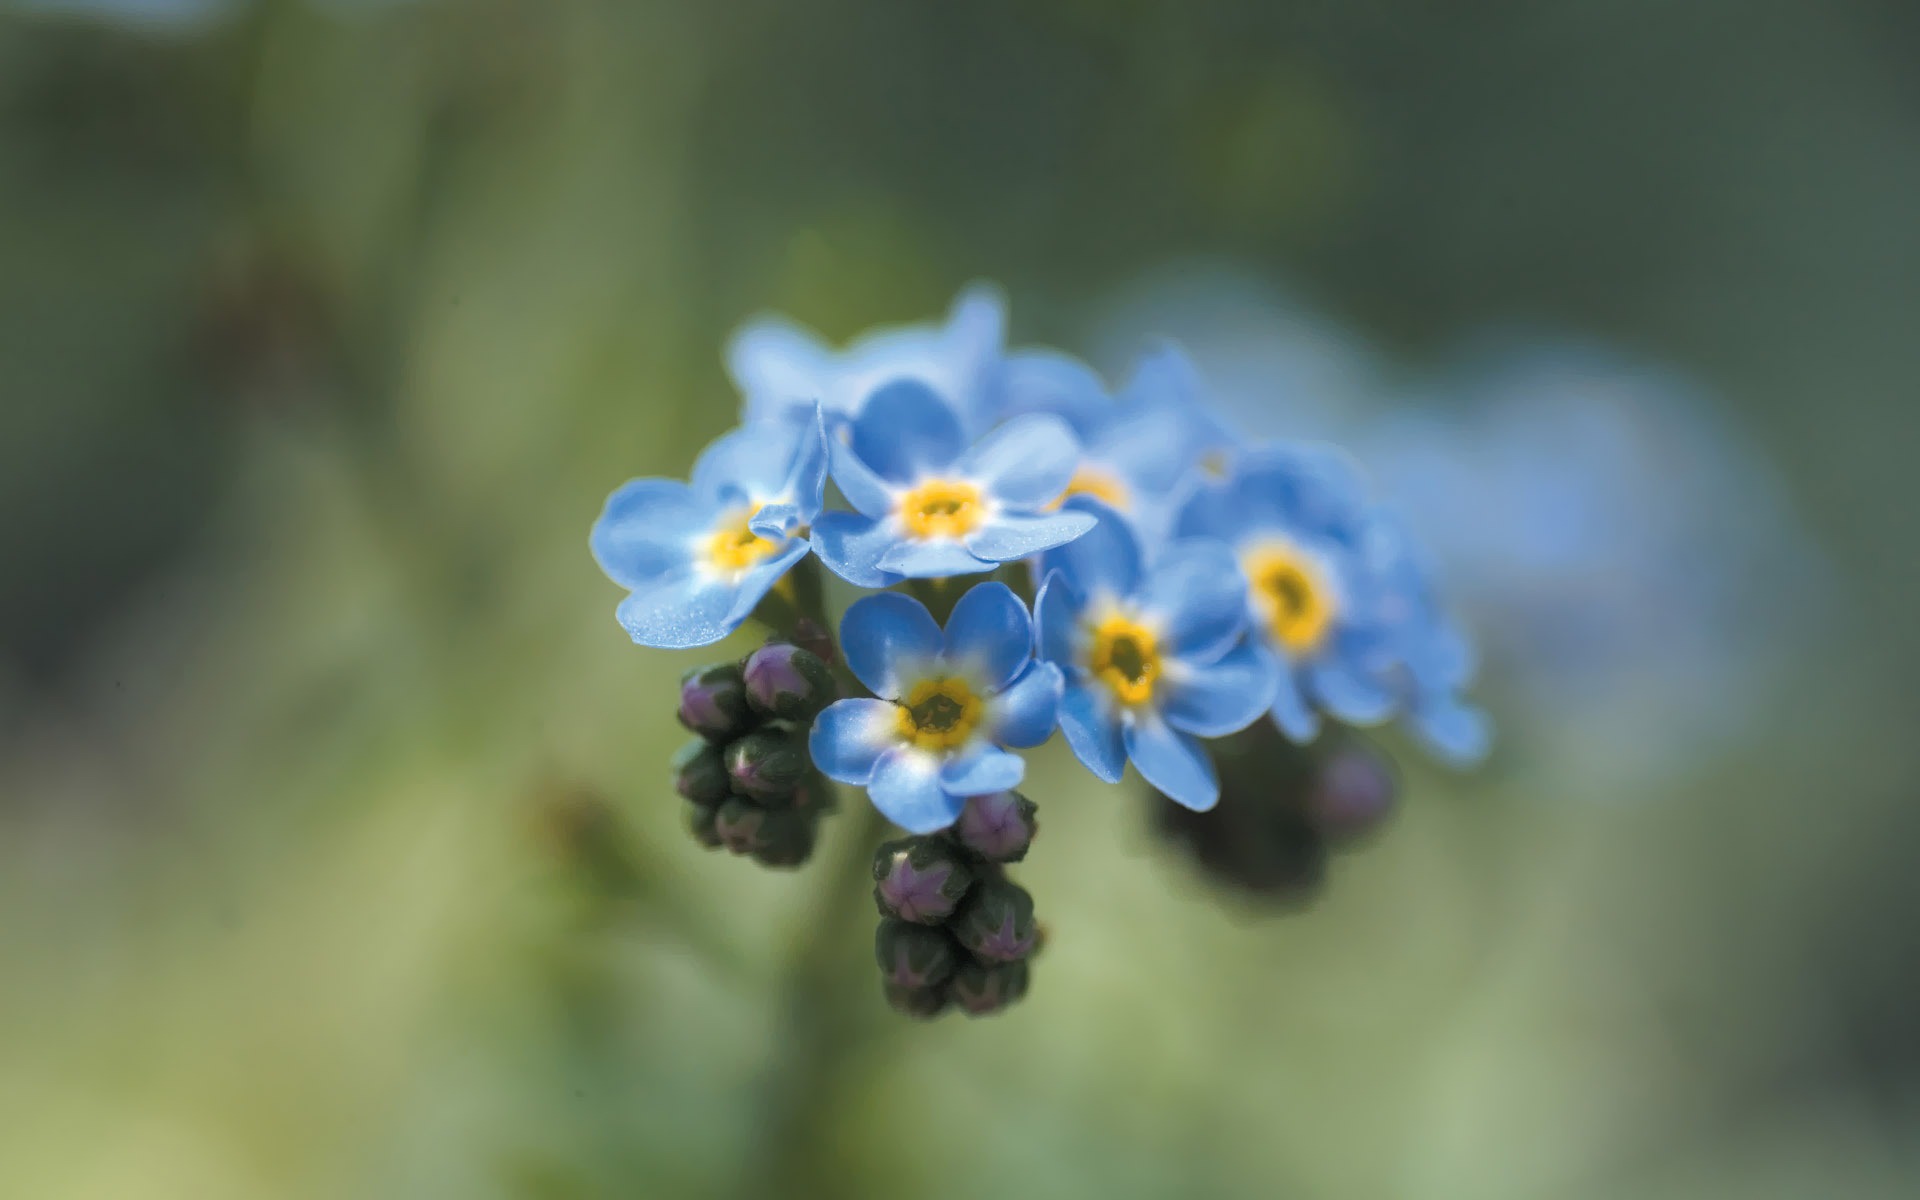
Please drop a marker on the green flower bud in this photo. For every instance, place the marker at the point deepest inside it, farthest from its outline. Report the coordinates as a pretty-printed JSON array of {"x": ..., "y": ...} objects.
[
  {"x": 713, "y": 702},
  {"x": 995, "y": 921},
  {"x": 746, "y": 828},
  {"x": 703, "y": 821},
  {"x": 784, "y": 681},
  {"x": 982, "y": 988},
  {"x": 790, "y": 839},
  {"x": 914, "y": 956},
  {"x": 768, "y": 764},
  {"x": 700, "y": 773},
  {"x": 922, "y": 1004},
  {"x": 998, "y": 828},
  {"x": 919, "y": 879}
]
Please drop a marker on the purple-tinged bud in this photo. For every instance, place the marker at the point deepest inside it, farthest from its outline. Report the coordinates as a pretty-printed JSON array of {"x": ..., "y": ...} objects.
[
  {"x": 784, "y": 681},
  {"x": 703, "y": 821},
  {"x": 982, "y": 988},
  {"x": 1352, "y": 793},
  {"x": 788, "y": 839},
  {"x": 814, "y": 795},
  {"x": 700, "y": 773},
  {"x": 713, "y": 702},
  {"x": 998, "y": 828},
  {"x": 922, "y": 1004},
  {"x": 995, "y": 921},
  {"x": 811, "y": 635},
  {"x": 767, "y": 765},
  {"x": 746, "y": 828},
  {"x": 914, "y": 956},
  {"x": 919, "y": 879}
]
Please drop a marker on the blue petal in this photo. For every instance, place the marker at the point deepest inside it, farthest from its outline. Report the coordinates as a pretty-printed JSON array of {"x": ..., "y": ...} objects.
[
  {"x": 1092, "y": 728},
  {"x": 644, "y": 533},
  {"x": 982, "y": 769},
  {"x": 1055, "y": 611},
  {"x": 756, "y": 581},
  {"x": 745, "y": 464},
  {"x": 1458, "y": 733},
  {"x": 806, "y": 482},
  {"x": 1291, "y": 713},
  {"x": 1026, "y": 713},
  {"x": 776, "y": 364},
  {"x": 1025, "y": 463},
  {"x": 863, "y": 489},
  {"x": 887, "y": 639},
  {"x": 905, "y": 431},
  {"x": 1350, "y": 694},
  {"x": 1152, "y": 450},
  {"x": 1173, "y": 762},
  {"x": 1163, "y": 377},
  {"x": 850, "y": 736},
  {"x": 776, "y": 520},
  {"x": 937, "y": 558},
  {"x": 675, "y": 614},
  {"x": 1299, "y": 487},
  {"x": 1197, "y": 590},
  {"x": 1009, "y": 536},
  {"x": 1102, "y": 562},
  {"x": 990, "y": 632},
  {"x": 1210, "y": 511},
  {"x": 906, "y": 789},
  {"x": 1216, "y": 699},
  {"x": 851, "y": 545},
  {"x": 1049, "y": 381}
]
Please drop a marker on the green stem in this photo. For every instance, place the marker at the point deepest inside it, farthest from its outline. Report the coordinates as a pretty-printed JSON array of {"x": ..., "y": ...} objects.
[{"x": 822, "y": 1020}]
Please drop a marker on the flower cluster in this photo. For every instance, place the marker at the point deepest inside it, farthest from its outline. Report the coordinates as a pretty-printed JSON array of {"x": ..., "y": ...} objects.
[{"x": 1156, "y": 583}]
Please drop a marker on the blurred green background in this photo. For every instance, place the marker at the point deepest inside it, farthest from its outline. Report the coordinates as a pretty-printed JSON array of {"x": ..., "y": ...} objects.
[{"x": 336, "y": 854}]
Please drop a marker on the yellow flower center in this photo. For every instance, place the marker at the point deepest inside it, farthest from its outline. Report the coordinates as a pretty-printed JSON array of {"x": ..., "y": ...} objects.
[
  {"x": 1099, "y": 483},
  {"x": 1291, "y": 593},
  {"x": 1125, "y": 656},
  {"x": 939, "y": 714},
  {"x": 942, "y": 508},
  {"x": 734, "y": 547}
]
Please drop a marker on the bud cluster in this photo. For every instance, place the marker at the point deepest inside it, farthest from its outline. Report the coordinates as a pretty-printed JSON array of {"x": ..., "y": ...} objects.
[
  {"x": 747, "y": 778},
  {"x": 954, "y": 930},
  {"x": 1283, "y": 811}
]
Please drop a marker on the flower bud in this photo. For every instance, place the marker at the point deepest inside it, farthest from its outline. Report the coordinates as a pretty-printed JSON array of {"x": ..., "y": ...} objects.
[
  {"x": 982, "y": 988},
  {"x": 713, "y": 702},
  {"x": 700, "y": 773},
  {"x": 919, "y": 879},
  {"x": 1352, "y": 793},
  {"x": 746, "y": 828},
  {"x": 767, "y": 765},
  {"x": 913, "y": 956},
  {"x": 784, "y": 681},
  {"x": 703, "y": 821},
  {"x": 995, "y": 921},
  {"x": 998, "y": 828},
  {"x": 922, "y": 1004},
  {"x": 789, "y": 839}
]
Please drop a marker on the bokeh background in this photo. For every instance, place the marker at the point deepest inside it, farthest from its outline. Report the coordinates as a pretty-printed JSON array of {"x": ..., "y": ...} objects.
[{"x": 336, "y": 853}]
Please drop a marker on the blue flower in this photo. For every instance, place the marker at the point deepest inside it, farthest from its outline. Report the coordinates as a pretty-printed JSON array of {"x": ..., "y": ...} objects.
[
  {"x": 1141, "y": 449},
  {"x": 948, "y": 703},
  {"x": 1153, "y": 654},
  {"x": 1420, "y": 653},
  {"x": 697, "y": 557},
  {"x": 928, "y": 506},
  {"x": 1296, "y": 517},
  {"x": 782, "y": 369}
]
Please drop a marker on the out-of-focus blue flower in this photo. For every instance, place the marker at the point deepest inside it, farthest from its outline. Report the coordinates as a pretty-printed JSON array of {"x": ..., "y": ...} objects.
[
  {"x": 929, "y": 506},
  {"x": 1139, "y": 449},
  {"x": 1603, "y": 528},
  {"x": 782, "y": 369},
  {"x": 949, "y": 703},
  {"x": 1296, "y": 518},
  {"x": 697, "y": 557},
  {"x": 1153, "y": 654},
  {"x": 155, "y": 16}
]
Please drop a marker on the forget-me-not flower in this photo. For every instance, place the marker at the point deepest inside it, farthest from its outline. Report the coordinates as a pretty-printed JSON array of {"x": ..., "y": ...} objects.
[
  {"x": 928, "y": 506},
  {"x": 697, "y": 557},
  {"x": 1153, "y": 654},
  {"x": 783, "y": 369},
  {"x": 1295, "y": 517},
  {"x": 948, "y": 704}
]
